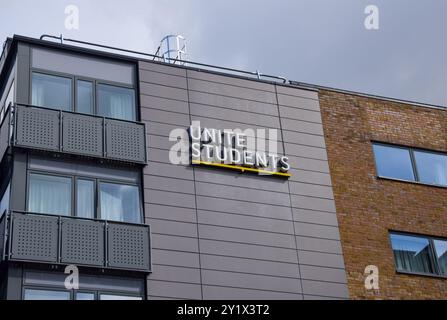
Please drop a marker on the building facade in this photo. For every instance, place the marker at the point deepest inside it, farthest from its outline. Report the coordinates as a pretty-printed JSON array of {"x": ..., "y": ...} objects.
[{"x": 94, "y": 178}]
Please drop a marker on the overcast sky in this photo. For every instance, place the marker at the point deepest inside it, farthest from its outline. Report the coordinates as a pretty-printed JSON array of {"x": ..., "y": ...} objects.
[{"x": 321, "y": 42}]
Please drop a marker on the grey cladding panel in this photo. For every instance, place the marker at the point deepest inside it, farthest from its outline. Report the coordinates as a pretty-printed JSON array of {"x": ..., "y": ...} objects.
[
  {"x": 34, "y": 238},
  {"x": 82, "y": 242},
  {"x": 82, "y": 134},
  {"x": 125, "y": 141},
  {"x": 37, "y": 128},
  {"x": 128, "y": 246}
]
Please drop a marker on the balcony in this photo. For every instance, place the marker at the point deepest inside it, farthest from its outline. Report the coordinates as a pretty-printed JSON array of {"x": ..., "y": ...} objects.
[
  {"x": 40, "y": 238},
  {"x": 79, "y": 134}
]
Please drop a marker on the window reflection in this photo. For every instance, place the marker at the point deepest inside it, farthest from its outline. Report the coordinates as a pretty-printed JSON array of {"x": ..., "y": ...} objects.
[
  {"x": 393, "y": 162},
  {"x": 432, "y": 167}
]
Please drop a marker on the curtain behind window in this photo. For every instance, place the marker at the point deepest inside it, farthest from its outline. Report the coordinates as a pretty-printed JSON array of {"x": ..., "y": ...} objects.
[
  {"x": 49, "y": 194},
  {"x": 120, "y": 202},
  {"x": 116, "y": 102},
  {"x": 412, "y": 253}
]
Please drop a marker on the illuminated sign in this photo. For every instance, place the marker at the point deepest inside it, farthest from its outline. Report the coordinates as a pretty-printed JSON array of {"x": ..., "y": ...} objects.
[{"x": 234, "y": 149}]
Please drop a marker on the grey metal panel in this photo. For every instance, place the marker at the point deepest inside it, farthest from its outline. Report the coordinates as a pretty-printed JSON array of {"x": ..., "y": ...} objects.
[
  {"x": 321, "y": 245},
  {"x": 175, "y": 274},
  {"x": 220, "y": 124},
  {"x": 174, "y": 289},
  {"x": 250, "y": 281},
  {"x": 243, "y": 265},
  {"x": 322, "y": 178},
  {"x": 165, "y": 156},
  {"x": 170, "y": 213},
  {"x": 169, "y": 184},
  {"x": 166, "y": 197},
  {"x": 317, "y": 231},
  {"x": 298, "y": 92},
  {"x": 261, "y": 238},
  {"x": 312, "y": 216},
  {"x": 37, "y": 128},
  {"x": 224, "y": 293},
  {"x": 298, "y": 102},
  {"x": 301, "y": 126},
  {"x": 34, "y": 238},
  {"x": 307, "y": 151},
  {"x": 82, "y": 134},
  {"x": 309, "y": 164},
  {"x": 175, "y": 258},
  {"x": 228, "y": 79},
  {"x": 300, "y": 114},
  {"x": 162, "y": 79},
  {"x": 170, "y": 242},
  {"x": 243, "y": 221},
  {"x": 305, "y": 202},
  {"x": 306, "y": 189},
  {"x": 229, "y": 115},
  {"x": 128, "y": 246},
  {"x": 304, "y": 139},
  {"x": 161, "y": 142},
  {"x": 233, "y": 103},
  {"x": 168, "y": 170},
  {"x": 163, "y": 91},
  {"x": 163, "y": 68},
  {"x": 323, "y": 274},
  {"x": 253, "y": 209},
  {"x": 243, "y": 250},
  {"x": 328, "y": 289},
  {"x": 176, "y": 228},
  {"x": 153, "y": 102},
  {"x": 231, "y": 91},
  {"x": 125, "y": 141},
  {"x": 321, "y": 259},
  {"x": 82, "y": 242},
  {"x": 160, "y": 129},
  {"x": 237, "y": 193},
  {"x": 83, "y": 65}
]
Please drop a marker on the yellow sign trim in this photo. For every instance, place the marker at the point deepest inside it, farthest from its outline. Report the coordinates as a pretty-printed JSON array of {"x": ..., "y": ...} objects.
[{"x": 239, "y": 168}]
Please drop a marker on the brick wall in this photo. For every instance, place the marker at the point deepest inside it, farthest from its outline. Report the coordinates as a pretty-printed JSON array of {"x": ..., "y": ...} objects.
[{"x": 368, "y": 207}]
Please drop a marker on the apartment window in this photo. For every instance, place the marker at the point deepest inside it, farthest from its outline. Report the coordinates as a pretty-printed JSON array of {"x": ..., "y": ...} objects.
[
  {"x": 49, "y": 194},
  {"x": 4, "y": 202},
  {"x": 51, "y": 91},
  {"x": 118, "y": 297},
  {"x": 84, "y": 296},
  {"x": 84, "y": 97},
  {"x": 119, "y": 202},
  {"x": 410, "y": 164},
  {"x": 116, "y": 102},
  {"x": 34, "y": 294},
  {"x": 418, "y": 254}
]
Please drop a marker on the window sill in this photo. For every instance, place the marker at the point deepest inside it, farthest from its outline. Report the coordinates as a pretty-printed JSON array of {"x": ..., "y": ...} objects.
[
  {"x": 422, "y": 274},
  {"x": 412, "y": 182}
]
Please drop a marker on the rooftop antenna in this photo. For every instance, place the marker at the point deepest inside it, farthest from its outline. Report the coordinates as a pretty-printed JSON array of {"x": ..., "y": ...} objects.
[{"x": 172, "y": 49}]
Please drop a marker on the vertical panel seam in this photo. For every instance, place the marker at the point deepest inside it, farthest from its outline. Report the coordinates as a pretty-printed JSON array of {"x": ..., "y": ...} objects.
[
  {"x": 195, "y": 192},
  {"x": 290, "y": 197}
]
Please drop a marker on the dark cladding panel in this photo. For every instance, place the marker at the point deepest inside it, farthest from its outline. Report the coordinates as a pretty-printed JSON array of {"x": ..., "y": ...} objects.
[
  {"x": 2, "y": 235},
  {"x": 37, "y": 128},
  {"x": 128, "y": 246},
  {"x": 34, "y": 238},
  {"x": 82, "y": 134},
  {"x": 4, "y": 135},
  {"x": 125, "y": 141},
  {"x": 82, "y": 242}
]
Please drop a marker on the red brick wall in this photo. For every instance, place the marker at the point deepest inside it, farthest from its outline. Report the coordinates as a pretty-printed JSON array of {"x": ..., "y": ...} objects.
[{"x": 368, "y": 207}]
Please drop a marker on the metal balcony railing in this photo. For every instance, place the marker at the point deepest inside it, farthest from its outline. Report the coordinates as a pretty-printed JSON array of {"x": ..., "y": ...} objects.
[
  {"x": 81, "y": 134},
  {"x": 42, "y": 238}
]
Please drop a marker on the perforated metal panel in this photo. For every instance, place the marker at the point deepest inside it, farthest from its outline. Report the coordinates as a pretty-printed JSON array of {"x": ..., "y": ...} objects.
[
  {"x": 82, "y": 134},
  {"x": 82, "y": 242},
  {"x": 34, "y": 238},
  {"x": 128, "y": 247},
  {"x": 125, "y": 141},
  {"x": 38, "y": 128}
]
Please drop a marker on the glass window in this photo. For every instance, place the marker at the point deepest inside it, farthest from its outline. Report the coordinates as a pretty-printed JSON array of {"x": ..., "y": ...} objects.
[
  {"x": 412, "y": 253},
  {"x": 51, "y": 91},
  {"x": 431, "y": 167},
  {"x": 393, "y": 162},
  {"x": 34, "y": 294},
  {"x": 120, "y": 202},
  {"x": 116, "y": 102},
  {"x": 84, "y": 96},
  {"x": 4, "y": 202},
  {"x": 85, "y": 198},
  {"x": 441, "y": 255},
  {"x": 49, "y": 194},
  {"x": 10, "y": 96},
  {"x": 118, "y": 297},
  {"x": 84, "y": 296}
]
